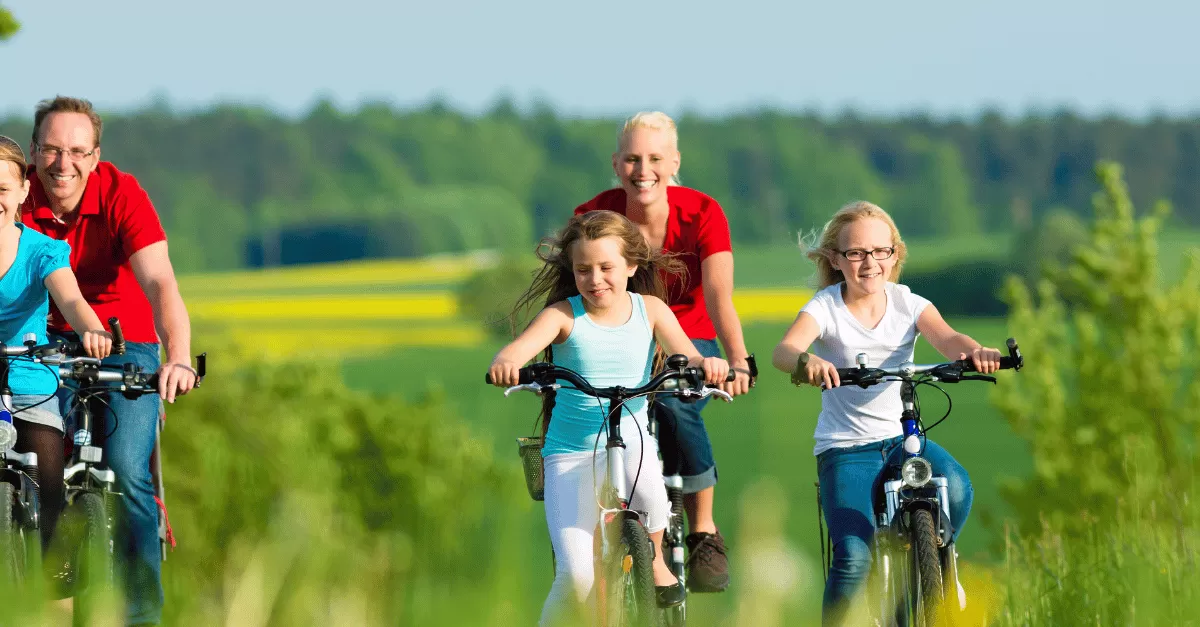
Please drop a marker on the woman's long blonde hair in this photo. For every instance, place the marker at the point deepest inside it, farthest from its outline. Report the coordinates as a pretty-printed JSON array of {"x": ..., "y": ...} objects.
[{"x": 827, "y": 244}]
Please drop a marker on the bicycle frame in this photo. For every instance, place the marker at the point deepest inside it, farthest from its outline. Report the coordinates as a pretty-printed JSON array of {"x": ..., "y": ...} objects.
[
  {"x": 19, "y": 469},
  {"x": 614, "y": 494},
  {"x": 898, "y": 500}
]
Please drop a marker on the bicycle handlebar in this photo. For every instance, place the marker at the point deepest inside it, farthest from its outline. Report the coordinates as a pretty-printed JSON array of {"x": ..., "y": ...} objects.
[
  {"x": 949, "y": 372},
  {"x": 537, "y": 376}
]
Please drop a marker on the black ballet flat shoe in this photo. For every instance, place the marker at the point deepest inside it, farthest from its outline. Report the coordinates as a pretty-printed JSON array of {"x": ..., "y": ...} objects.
[{"x": 669, "y": 596}]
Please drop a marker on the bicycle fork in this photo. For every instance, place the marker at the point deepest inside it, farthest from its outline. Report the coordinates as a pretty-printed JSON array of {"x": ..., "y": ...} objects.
[{"x": 676, "y": 560}]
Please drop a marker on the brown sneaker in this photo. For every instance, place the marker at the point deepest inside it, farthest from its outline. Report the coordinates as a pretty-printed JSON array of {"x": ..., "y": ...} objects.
[{"x": 708, "y": 569}]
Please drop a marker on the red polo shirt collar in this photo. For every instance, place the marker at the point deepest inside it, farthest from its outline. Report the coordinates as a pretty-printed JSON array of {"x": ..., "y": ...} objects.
[{"x": 89, "y": 204}]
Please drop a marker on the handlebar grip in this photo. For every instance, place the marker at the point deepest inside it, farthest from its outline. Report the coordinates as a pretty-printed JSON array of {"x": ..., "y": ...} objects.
[
  {"x": 118, "y": 347},
  {"x": 524, "y": 377}
]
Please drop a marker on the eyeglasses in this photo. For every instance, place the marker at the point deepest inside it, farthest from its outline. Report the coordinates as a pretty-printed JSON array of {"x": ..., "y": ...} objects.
[
  {"x": 858, "y": 254},
  {"x": 51, "y": 153}
]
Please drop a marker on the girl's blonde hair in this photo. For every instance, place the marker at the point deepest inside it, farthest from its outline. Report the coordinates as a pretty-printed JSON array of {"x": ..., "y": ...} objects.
[
  {"x": 654, "y": 120},
  {"x": 11, "y": 151},
  {"x": 827, "y": 245}
]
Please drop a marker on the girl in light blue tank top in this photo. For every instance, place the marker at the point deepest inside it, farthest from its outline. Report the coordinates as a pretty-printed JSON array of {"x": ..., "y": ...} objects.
[
  {"x": 609, "y": 356},
  {"x": 604, "y": 315},
  {"x": 33, "y": 269}
]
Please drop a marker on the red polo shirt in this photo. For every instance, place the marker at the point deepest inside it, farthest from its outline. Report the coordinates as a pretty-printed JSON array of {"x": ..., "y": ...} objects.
[
  {"x": 696, "y": 228},
  {"x": 115, "y": 220}
]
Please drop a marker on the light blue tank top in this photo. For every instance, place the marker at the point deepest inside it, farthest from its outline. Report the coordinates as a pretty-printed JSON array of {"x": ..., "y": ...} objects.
[{"x": 605, "y": 356}]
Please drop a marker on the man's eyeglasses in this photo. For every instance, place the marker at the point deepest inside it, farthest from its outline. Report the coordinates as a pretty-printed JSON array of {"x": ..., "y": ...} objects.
[
  {"x": 858, "y": 254},
  {"x": 50, "y": 153}
]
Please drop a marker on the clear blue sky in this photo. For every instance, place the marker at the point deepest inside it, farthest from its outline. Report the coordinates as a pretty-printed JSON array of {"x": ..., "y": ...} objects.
[{"x": 940, "y": 56}]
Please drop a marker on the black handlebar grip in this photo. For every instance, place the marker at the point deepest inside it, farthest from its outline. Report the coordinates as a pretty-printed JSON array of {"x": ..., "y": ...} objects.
[
  {"x": 525, "y": 377},
  {"x": 118, "y": 347},
  {"x": 1014, "y": 355}
]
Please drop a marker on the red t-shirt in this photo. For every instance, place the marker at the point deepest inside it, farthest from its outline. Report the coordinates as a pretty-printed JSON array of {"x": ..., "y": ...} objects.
[
  {"x": 116, "y": 219},
  {"x": 696, "y": 228}
]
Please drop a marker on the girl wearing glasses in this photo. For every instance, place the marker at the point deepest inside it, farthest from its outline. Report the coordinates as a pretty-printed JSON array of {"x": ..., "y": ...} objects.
[{"x": 860, "y": 308}]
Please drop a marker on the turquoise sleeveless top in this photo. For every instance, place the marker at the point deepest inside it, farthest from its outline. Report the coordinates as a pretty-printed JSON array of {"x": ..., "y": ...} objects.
[{"x": 605, "y": 356}]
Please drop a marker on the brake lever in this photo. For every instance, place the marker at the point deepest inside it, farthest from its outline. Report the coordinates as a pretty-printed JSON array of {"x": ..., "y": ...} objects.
[
  {"x": 717, "y": 392},
  {"x": 978, "y": 377},
  {"x": 534, "y": 387}
]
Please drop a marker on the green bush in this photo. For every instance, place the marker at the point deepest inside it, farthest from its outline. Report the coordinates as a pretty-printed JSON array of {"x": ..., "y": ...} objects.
[
  {"x": 1107, "y": 523},
  {"x": 488, "y": 296},
  {"x": 1050, "y": 245},
  {"x": 299, "y": 501}
]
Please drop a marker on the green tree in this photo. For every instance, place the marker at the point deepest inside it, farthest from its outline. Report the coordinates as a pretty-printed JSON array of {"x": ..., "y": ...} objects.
[
  {"x": 489, "y": 295},
  {"x": 935, "y": 195},
  {"x": 1107, "y": 400},
  {"x": 1049, "y": 244},
  {"x": 8, "y": 24}
]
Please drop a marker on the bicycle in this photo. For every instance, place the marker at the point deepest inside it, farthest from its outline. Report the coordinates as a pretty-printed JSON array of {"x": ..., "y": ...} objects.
[
  {"x": 89, "y": 511},
  {"x": 624, "y": 581},
  {"x": 916, "y": 559},
  {"x": 20, "y": 529},
  {"x": 674, "y": 547}
]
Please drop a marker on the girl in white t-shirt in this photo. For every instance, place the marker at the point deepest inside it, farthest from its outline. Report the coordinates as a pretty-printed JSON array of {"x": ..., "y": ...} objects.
[{"x": 860, "y": 309}]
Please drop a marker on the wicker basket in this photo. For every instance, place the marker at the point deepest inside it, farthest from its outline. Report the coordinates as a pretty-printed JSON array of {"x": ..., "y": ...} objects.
[{"x": 530, "y": 450}]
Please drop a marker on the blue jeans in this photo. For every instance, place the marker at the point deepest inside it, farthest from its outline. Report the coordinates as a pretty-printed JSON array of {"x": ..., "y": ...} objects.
[
  {"x": 133, "y": 425},
  {"x": 848, "y": 477},
  {"x": 682, "y": 438}
]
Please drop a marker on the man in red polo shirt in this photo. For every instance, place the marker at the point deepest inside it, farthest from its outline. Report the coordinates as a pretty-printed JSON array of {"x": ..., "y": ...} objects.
[{"x": 119, "y": 254}]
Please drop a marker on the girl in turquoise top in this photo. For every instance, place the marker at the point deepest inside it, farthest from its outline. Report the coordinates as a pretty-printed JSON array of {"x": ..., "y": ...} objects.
[
  {"x": 603, "y": 313},
  {"x": 32, "y": 268}
]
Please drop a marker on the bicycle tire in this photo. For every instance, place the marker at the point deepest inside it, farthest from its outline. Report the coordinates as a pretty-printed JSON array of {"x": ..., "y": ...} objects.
[
  {"x": 94, "y": 561},
  {"x": 11, "y": 548},
  {"x": 626, "y": 594},
  {"x": 927, "y": 568}
]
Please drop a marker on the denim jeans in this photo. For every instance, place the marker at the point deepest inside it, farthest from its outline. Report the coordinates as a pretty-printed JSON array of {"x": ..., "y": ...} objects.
[
  {"x": 133, "y": 425},
  {"x": 682, "y": 438},
  {"x": 848, "y": 477}
]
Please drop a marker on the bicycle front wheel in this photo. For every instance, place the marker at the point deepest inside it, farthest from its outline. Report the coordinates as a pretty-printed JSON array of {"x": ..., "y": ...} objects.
[
  {"x": 94, "y": 557},
  {"x": 927, "y": 568},
  {"x": 625, "y": 590},
  {"x": 12, "y": 558}
]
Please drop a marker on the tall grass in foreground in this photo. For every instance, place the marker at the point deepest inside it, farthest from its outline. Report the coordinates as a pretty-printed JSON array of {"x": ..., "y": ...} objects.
[{"x": 1119, "y": 568}]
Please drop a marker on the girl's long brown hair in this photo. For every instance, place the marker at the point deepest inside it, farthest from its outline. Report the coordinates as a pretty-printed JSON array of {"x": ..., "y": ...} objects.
[{"x": 555, "y": 281}]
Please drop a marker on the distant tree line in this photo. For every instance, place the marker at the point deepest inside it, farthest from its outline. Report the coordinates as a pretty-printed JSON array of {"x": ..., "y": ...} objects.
[{"x": 242, "y": 186}]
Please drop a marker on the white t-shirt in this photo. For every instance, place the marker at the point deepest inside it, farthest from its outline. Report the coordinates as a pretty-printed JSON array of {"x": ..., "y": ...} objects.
[{"x": 851, "y": 415}]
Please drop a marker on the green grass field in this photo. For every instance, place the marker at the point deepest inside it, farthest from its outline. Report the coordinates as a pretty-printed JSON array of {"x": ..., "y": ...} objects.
[{"x": 395, "y": 329}]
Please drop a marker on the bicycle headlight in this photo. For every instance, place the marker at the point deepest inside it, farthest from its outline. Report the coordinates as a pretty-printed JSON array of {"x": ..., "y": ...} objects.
[{"x": 916, "y": 472}]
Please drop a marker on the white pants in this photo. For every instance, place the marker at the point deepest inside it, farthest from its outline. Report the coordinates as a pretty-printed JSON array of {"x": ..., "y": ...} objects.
[{"x": 572, "y": 511}]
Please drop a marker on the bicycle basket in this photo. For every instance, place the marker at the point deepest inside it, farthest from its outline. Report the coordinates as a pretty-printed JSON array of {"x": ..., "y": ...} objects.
[{"x": 530, "y": 450}]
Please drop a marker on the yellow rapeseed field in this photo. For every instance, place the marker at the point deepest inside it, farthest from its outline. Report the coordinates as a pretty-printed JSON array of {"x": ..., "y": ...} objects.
[{"x": 342, "y": 305}]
